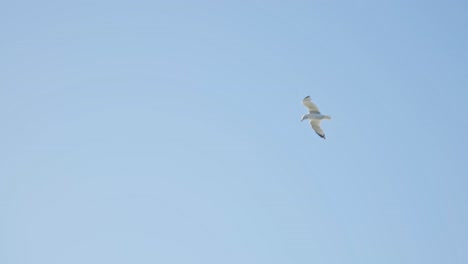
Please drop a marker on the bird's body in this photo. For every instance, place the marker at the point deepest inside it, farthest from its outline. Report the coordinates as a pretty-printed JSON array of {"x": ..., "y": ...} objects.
[{"x": 314, "y": 116}]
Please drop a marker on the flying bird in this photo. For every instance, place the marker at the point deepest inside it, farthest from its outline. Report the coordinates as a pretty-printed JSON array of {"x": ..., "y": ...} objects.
[{"x": 314, "y": 116}]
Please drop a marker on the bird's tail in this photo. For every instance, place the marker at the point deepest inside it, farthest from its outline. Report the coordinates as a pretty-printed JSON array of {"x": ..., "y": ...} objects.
[{"x": 327, "y": 117}]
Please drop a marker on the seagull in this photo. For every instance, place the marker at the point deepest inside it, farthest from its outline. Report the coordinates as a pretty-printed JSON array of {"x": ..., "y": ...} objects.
[{"x": 314, "y": 116}]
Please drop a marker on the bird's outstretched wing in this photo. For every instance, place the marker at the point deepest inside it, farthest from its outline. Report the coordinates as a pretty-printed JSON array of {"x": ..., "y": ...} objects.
[
  {"x": 311, "y": 106},
  {"x": 316, "y": 127}
]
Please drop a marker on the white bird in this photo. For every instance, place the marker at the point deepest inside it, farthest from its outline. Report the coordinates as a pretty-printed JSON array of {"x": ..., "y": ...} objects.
[{"x": 314, "y": 116}]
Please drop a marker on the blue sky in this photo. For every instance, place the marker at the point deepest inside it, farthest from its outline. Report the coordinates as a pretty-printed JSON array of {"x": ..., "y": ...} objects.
[{"x": 169, "y": 132}]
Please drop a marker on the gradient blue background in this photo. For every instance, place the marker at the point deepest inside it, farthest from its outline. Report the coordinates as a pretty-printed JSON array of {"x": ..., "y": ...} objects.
[{"x": 169, "y": 132}]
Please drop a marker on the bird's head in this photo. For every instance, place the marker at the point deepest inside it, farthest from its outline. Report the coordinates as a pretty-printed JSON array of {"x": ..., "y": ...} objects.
[{"x": 303, "y": 118}]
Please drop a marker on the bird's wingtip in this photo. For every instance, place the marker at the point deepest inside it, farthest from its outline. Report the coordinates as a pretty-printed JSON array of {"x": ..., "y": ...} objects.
[{"x": 322, "y": 136}]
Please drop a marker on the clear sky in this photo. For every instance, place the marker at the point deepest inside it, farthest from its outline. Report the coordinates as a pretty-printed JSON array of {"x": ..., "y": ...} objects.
[{"x": 169, "y": 132}]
